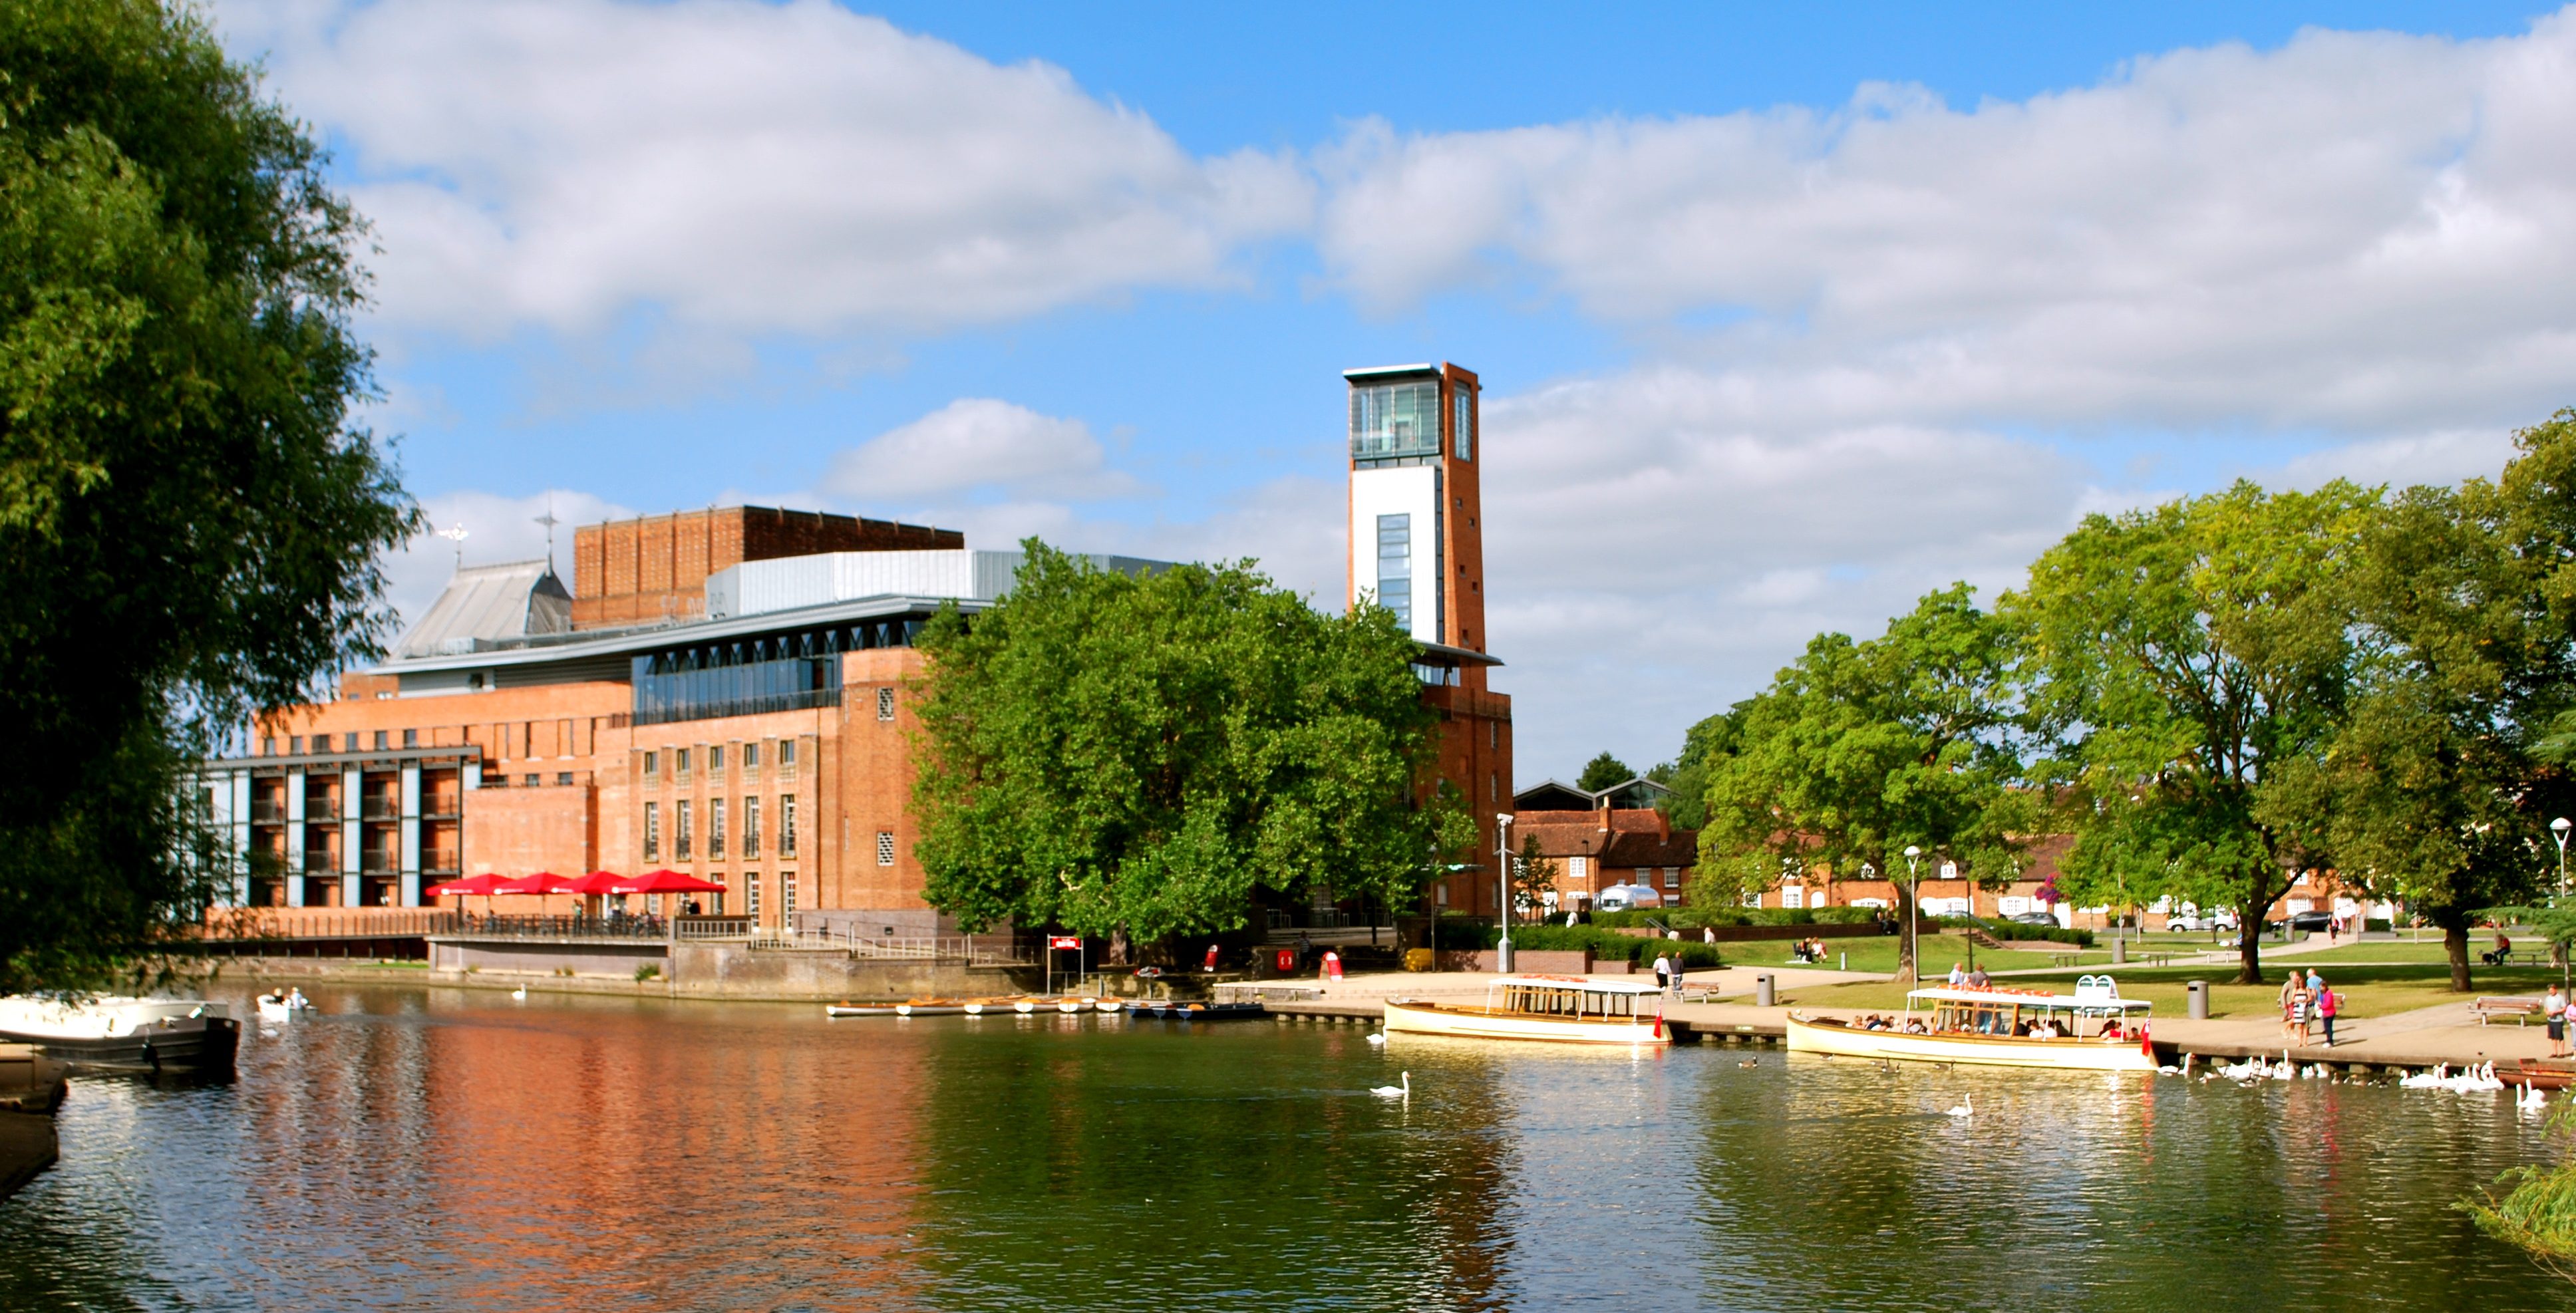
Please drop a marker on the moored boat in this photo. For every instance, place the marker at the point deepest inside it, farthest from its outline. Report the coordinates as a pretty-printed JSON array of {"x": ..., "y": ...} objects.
[
  {"x": 862, "y": 1009},
  {"x": 932, "y": 1007},
  {"x": 1563, "y": 1009},
  {"x": 155, "y": 1036},
  {"x": 1172, "y": 1010},
  {"x": 2092, "y": 1029}
]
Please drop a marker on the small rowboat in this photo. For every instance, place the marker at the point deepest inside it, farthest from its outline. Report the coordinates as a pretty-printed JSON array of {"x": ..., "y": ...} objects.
[
  {"x": 932, "y": 1007},
  {"x": 2538, "y": 1074},
  {"x": 1168, "y": 1011},
  {"x": 863, "y": 1009},
  {"x": 1105, "y": 1004}
]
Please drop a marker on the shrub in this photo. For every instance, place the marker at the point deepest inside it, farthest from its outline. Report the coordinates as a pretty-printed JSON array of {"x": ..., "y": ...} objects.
[
  {"x": 646, "y": 971},
  {"x": 1459, "y": 932},
  {"x": 1844, "y": 915}
]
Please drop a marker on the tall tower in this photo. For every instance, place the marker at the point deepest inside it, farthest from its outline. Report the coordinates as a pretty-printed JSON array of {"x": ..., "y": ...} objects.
[
  {"x": 1418, "y": 548},
  {"x": 1417, "y": 545}
]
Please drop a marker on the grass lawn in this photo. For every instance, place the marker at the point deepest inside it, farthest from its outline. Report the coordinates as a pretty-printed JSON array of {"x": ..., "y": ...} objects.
[{"x": 2368, "y": 991}]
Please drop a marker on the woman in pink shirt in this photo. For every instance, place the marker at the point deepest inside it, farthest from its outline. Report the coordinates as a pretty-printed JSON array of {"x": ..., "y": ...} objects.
[{"x": 2328, "y": 1004}]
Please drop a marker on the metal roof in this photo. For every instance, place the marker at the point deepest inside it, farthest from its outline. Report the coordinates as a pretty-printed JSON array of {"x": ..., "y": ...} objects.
[
  {"x": 490, "y": 603},
  {"x": 1390, "y": 371},
  {"x": 638, "y": 641}
]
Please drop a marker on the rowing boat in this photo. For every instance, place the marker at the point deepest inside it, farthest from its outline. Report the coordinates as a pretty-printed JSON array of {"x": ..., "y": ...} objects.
[{"x": 863, "y": 1010}]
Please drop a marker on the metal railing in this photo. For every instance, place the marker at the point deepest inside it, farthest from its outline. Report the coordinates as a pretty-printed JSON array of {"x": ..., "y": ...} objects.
[
  {"x": 379, "y": 809},
  {"x": 528, "y": 925},
  {"x": 715, "y": 927},
  {"x": 298, "y": 923},
  {"x": 322, "y": 863},
  {"x": 267, "y": 813}
]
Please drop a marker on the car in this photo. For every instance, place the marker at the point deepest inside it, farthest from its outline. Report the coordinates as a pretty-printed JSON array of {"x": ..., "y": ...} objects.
[
  {"x": 2311, "y": 920},
  {"x": 2032, "y": 918}
]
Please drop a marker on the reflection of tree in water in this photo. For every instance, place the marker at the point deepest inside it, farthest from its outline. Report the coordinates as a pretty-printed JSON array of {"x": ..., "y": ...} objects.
[{"x": 1150, "y": 1166}]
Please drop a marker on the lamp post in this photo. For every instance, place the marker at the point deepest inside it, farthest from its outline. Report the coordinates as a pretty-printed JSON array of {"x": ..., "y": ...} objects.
[
  {"x": 1503, "y": 886},
  {"x": 2558, "y": 830},
  {"x": 1913, "y": 889}
]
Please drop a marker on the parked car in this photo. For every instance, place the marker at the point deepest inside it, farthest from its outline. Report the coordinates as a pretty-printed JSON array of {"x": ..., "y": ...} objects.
[
  {"x": 2032, "y": 918},
  {"x": 2311, "y": 920}
]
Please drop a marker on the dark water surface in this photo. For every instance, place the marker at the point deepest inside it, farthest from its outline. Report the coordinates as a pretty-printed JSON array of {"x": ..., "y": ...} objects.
[{"x": 454, "y": 1149}]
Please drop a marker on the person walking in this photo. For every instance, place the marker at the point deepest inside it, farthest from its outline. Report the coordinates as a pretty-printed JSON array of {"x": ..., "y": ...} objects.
[
  {"x": 2328, "y": 1004},
  {"x": 2301, "y": 1000},
  {"x": 2289, "y": 990},
  {"x": 1680, "y": 972},
  {"x": 2554, "y": 1008},
  {"x": 1663, "y": 972}
]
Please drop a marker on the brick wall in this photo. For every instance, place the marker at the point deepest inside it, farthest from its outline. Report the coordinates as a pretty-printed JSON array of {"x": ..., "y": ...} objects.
[{"x": 656, "y": 568}]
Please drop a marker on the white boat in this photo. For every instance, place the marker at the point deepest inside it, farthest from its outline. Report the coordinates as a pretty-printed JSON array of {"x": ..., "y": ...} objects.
[
  {"x": 2094, "y": 1029},
  {"x": 933, "y": 1007},
  {"x": 282, "y": 1007},
  {"x": 126, "y": 1034},
  {"x": 862, "y": 1009},
  {"x": 1106, "y": 1004},
  {"x": 1565, "y": 1009}
]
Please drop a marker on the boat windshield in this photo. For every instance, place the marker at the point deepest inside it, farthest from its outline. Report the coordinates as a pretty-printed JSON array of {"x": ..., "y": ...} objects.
[
  {"x": 2094, "y": 1011},
  {"x": 1566, "y": 996}
]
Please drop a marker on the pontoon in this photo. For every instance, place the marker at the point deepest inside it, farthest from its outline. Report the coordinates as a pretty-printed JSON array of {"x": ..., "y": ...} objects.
[{"x": 2092, "y": 1029}]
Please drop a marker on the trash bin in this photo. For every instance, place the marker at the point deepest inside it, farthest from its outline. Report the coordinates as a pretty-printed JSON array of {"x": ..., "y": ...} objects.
[
  {"x": 2119, "y": 951},
  {"x": 2196, "y": 1005},
  {"x": 1762, "y": 997}
]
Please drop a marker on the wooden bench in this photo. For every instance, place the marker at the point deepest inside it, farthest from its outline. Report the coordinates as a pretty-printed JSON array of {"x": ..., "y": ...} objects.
[{"x": 2516, "y": 1008}]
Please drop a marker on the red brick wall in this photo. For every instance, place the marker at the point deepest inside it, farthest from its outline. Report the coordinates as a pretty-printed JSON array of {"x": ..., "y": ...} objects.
[
  {"x": 626, "y": 571},
  {"x": 517, "y": 831}
]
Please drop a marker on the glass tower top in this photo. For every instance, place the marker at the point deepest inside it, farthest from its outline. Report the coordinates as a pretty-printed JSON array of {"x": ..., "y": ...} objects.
[{"x": 1395, "y": 420}]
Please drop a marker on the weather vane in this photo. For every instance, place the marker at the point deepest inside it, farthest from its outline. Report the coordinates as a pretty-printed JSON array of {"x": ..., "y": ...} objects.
[
  {"x": 548, "y": 519},
  {"x": 456, "y": 535}
]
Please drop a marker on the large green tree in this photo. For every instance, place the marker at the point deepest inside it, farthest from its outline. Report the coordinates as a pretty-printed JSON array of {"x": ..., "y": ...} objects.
[
  {"x": 1603, "y": 771},
  {"x": 2440, "y": 784},
  {"x": 1140, "y": 754},
  {"x": 2186, "y": 661},
  {"x": 189, "y": 517},
  {"x": 1861, "y": 750}
]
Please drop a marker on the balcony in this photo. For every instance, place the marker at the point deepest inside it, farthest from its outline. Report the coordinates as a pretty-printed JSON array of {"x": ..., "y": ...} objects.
[
  {"x": 267, "y": 811},
  {"x": 380, "y": 863},
  {"x": 442, "y": 806},
  {"x": 380, "y": 808},
  {"x": 321, "y": 863}
]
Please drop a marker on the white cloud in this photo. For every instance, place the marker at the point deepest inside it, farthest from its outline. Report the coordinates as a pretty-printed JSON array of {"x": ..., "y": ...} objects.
[
  {"x": 978, "y": 443},
  {"x": 742, "y": 167},
  {"x": 2356, "y": 231}
]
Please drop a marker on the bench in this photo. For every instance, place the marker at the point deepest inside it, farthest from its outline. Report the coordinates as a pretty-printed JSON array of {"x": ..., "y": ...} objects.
[{"x": 2516, "y": 1008}]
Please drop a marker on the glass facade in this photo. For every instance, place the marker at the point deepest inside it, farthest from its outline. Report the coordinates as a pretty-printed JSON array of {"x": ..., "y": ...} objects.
[
  {"x": 776, "y": 672},
  {"x": 1395, "y": 420},
  {"x": 1462, "y": 421},
  {"x": 1395, "y": 566}
]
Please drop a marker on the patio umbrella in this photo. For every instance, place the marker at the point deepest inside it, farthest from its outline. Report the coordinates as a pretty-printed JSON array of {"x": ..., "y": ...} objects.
[
  {"x": 597, "y": 882},
  {"x": 483, "y": 884},
  {"x": 666, "y": 882}
]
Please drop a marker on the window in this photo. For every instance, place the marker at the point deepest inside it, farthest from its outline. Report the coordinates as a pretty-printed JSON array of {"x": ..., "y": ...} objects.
[
  {"x": 652, "y": 831},
  {"x": 786, "y": 758},
  {"x": 680, "y": 833},
  {"x": 1793, "y": 896},
  {"x": 411, "y": 738},
  {"x": 653, "y": 904},
  {"x": 1494, "y": 735},
  {"x": 528, "y": 781},
  {"x": 787, "y": 893},
  {"x": 885, "y": 704},
  {"x": 751, "y": 893},
  {"x": 787, "y": 825},
  {"x": 1462, "y": 420},
  {"x": 885, "y": 847},
  {"x": 563, "y": 777},
  {"x": 1578, "y": 868},
  {"x": 652, "y": 767},
  {"x": 1395, "y": 567},
  {"x": 380, "y": 741},
  {"x": 350, "y": 741},
  {"x": 1672, "y": 877},
  {"x": 750, "y": 760},
  {"x": 1395, "y": 420},
  {"x": 750, "y": 826},
  {"x": 680, "y": 763},
  {"x": 715, "y": 822},
  {"x": 715, "y": 763},
  {"x": 268, "y": 747},
  {"x": 1493, "y": 786},
  {"x": 295, "y": 744}
]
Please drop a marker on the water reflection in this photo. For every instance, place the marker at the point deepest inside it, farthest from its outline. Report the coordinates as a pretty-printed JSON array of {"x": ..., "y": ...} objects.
[{"x": 458, "y": 1149}]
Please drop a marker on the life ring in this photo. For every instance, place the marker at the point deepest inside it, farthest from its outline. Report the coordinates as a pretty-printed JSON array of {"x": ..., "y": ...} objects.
[{"x": 1149, "y": 973}]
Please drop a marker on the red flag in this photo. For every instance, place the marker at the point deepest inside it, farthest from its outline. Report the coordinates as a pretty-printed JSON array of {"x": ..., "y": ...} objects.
[
  {"x": 1659, "y": 1023},
  {"x": 2146, "y": 1042}
]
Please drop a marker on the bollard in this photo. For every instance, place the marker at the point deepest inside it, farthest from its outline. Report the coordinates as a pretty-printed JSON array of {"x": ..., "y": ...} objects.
[
  {"x": 2198, "y": 1007},
  {"x": 1842, "y": 961},
  {"x": 2119, "y": 951},
  {"x": 1762, "y": 990}
]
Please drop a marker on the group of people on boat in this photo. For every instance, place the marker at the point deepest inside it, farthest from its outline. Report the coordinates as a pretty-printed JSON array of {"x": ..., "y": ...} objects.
[
  {"x": 1963, "y": 978},
  {"x": 1881, "y": 1021}
]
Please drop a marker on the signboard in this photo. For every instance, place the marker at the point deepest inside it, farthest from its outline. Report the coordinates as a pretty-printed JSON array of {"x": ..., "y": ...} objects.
[{"x": 1064, "y": 941}]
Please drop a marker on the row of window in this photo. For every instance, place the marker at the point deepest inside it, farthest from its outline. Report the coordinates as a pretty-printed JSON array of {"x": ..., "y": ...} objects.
[
  {"x": 295, "y": 743},
  {"x": 683, "y": 828},
  {"x": 685, "y": 760}
]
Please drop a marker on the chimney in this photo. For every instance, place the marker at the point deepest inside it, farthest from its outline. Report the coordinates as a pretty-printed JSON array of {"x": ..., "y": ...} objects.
[{"x": 1663, "y": 824}]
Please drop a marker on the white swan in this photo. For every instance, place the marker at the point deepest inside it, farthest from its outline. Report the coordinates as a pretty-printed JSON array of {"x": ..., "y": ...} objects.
[
  {"x": 1967, "y": 1106},
  {"x": 1404, "y": 1091},
  {"x": 2529, "y": 1098},
  {"x": 1377, "y": 1039},
  {"x": 521, "y": 993}
]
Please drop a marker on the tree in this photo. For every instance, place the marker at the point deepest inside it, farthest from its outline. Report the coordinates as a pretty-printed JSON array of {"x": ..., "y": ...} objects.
[
  {"x": 1712, "y": 739},
  {"x": 1603, "y": 771},
  {"x": 1115, "y": 753},
  {"x": 1861, "y": 750},
  {"x": 1533, "y": 874},
  {"x": 2440, "y": 784},
  {"x": 190, "y": 519},
  {"x": 2184, "y": 660}
]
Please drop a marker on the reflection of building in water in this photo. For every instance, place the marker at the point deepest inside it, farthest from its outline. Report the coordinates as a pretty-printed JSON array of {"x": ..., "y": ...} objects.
[{"x": 1417, "y": 547}]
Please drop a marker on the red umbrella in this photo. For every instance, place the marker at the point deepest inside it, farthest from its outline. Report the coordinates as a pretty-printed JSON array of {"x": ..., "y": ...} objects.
[
  {"x": 543, "y": 882},
  {"x": 666, "y": 882},
  {"x": 485, "y": 884},
  {"x": 597, "y": 882}
]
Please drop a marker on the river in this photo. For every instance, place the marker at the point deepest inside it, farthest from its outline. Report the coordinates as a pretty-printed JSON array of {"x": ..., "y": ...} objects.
[{"x": 455, "y": 1149}]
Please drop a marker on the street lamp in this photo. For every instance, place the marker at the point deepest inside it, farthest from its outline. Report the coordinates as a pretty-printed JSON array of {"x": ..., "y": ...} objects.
[
  {"x": 1913, "y": 914},
  {"x": 1503, "y": 887},
  {"x": 2558, "y": 830}
]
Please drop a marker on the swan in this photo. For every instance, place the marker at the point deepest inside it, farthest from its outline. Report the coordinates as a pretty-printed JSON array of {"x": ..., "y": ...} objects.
[
  {"x": 521, "y": 993},
  {"x": 1379, "y": 1040},
  {"x": 2529, "y": 1097},
  {"x": 1967, "y": 1107},
  {"x": 1404, "y": 1091}
]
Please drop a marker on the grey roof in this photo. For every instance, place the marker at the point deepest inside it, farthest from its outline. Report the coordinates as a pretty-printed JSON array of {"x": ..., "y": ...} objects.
[
  {"x": 592, "y": 643},
  {"x": 515, "y": 599}
]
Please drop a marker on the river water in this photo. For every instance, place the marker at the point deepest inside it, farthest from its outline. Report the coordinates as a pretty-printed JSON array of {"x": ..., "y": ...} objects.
[{"x": 454, "y": 1149}]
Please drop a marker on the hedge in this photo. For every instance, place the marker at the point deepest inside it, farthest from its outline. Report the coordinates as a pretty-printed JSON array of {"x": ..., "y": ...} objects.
[{"x": 1606, "y": 943}]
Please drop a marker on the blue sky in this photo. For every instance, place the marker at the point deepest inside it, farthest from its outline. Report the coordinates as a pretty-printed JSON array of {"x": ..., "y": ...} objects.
[{"x": 1784, "y": 317}]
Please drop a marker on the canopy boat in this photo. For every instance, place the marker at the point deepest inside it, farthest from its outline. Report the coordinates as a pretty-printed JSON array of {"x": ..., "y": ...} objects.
[
  {"x": 1171, "y": 1010},
  {"x": 2092, "y": 1029},
  {"x": 862, "y": 1009},
  {"x": 155, "y": 1035},
  {"x": 1573, "y": 1009}
]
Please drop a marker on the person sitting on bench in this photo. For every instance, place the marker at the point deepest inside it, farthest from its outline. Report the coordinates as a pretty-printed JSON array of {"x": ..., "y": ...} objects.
[{"x": 2503, "y": 950}]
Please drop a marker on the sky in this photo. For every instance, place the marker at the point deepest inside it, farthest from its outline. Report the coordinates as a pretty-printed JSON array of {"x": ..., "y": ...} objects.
[{"x": 1783, "y": 318}]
